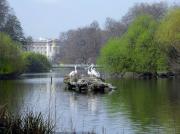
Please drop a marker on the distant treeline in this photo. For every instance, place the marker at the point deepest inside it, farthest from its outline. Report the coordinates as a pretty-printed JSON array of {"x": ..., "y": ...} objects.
[
  {"x": 149, "y": 45},
  {"x": 83, "y": 45},
  {"x": 146, "y": 39}
]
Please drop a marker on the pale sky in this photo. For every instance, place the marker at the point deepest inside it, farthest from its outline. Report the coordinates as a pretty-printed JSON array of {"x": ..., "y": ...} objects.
[{"x": 48, "y": 18}]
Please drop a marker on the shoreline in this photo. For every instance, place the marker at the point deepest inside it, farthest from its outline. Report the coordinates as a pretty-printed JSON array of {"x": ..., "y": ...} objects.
[
  {"x": 145, "y": 75},
  {"x": 125, "y": 75}
]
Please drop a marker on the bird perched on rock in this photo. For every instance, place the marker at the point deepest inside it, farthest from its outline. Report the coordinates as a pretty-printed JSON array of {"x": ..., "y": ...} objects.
[
  {"x": 73, "y": 73},
  {"x": 92, "y": 71}
]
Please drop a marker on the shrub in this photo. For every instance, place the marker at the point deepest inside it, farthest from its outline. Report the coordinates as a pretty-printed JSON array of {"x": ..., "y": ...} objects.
[{"x": 36, "y": 63}]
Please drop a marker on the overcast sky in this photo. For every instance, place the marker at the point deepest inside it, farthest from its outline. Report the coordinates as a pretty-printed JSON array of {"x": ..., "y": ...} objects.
[{"x": 47, "y": 18}]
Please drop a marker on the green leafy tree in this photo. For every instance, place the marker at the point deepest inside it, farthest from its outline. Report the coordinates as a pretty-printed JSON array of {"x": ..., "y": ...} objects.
[
  {"x": 136, "y": 51},
  {"x": 11, "y": 59},
  {"x": 10, "y": 24},
  {"x": 36, "y": 63},
  {"x": 115, "y": 57},
  {"x": 143, "y": 47},
  {"x": 168, "y": 35}
]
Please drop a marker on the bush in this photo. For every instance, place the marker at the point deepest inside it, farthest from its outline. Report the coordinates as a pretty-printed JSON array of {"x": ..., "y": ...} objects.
[
  {"x": 36, "y": 63},
  {"x": 11, "y": 59}
]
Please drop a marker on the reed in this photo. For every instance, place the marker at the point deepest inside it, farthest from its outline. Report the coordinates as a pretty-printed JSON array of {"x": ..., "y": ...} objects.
[{"x": 30, "y": 123}]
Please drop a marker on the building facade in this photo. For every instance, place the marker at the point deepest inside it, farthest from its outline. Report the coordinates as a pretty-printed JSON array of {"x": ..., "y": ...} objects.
[{"x": 46, "y": 47}]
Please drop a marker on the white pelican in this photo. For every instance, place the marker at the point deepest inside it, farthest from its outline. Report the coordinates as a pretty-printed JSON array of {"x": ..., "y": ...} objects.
[
  {"x": 89, "y": 71},
  {"x": 95, "y": 73},
  {"x": 92, "y": 71},
  {"x": 73, "y": 73}
]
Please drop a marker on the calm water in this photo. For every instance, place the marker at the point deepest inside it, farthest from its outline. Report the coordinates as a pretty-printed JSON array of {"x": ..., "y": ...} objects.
[{"x": 137, "y": 106}]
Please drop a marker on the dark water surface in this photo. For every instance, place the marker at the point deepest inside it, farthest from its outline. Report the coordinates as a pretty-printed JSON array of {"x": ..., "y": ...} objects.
[{"x": 137, "y": 106}]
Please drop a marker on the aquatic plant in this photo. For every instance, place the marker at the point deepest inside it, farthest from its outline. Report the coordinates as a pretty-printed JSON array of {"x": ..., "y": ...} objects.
[{"x": 30, "y": 123}]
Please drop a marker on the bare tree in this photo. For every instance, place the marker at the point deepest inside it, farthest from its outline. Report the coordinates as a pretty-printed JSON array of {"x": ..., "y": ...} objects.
[
  {"x": 81, "y": 45},
  {"x": 157, "y": 10},
  {"x": 114, "y": 28}
]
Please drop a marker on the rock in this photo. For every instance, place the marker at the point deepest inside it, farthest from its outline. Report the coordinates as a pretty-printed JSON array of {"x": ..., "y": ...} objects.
[
  {"x": 162, "y": 75},
  {"x": 86, "y": 84},
  {"x": 171, "y": 74},
  {"x": 166, "y": 75},
  {"x": 147, "y": 75}
]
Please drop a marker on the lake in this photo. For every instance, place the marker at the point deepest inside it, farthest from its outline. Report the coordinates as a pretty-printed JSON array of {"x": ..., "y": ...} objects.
[{"x": 137, "y": 106}]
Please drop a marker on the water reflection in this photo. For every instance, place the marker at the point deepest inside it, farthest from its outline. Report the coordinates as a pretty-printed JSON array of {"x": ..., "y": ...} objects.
[
  {"x": 73, "y": 103},
  {"x": 14, "y": 98},
  {"x": 152, "y": 106},
  {"x": 92, "y": 104},
  {"x": 137, "y": 106}
]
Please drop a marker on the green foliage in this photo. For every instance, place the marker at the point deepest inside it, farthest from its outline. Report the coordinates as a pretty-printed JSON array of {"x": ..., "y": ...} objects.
[
  {"x": 114, "y": 56},
  {"x": 13, "y": 28},
  {"x": 36, "y": 63},
  {"x": 14, "y": 62},
  {"x": 137, "y": 50},
  {"x": 143, "y": 46},
  {"x": 168, "y": 35},
  {"x": 169, "y": 30},
  {"x": 9, "y": 23},
  {"x": 11, "y": 60}
]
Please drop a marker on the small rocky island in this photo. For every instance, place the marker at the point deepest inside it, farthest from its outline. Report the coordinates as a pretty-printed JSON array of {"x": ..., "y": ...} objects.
[{"x": 87, "y": 83}]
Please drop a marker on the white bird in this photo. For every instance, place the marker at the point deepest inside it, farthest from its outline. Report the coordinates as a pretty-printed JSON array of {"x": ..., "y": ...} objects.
[
  {"x": 92, "y": 71},
  {"x": 73, "y": 73},
  {"x": 89, "y": 71},
  {"x": 95, "y": 73}
]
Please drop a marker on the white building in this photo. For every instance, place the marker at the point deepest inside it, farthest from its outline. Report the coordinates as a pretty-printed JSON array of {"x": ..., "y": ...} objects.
[{"x": 45, "y": 47}]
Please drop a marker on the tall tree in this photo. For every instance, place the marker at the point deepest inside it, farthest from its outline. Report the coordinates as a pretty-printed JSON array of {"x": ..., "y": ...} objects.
[
  {"x": 13, "y": 28},
  {"x": 114, "y": 28},
  {"x": 9, "y": 23},
  {"x": 143, "y": 47},
  {"x": 81, "y": 45},
  {"x": 157, "y": 10},
  {"x": 3, "y": 13},
  {"x": 168, "y": 35},
  {"x": 11, "y": 59},
  {"x": 135, "y": 51}
]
